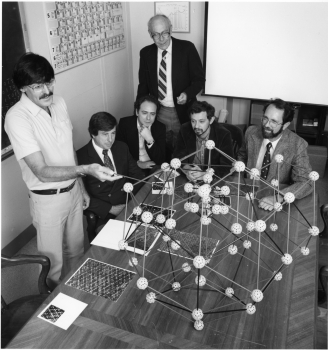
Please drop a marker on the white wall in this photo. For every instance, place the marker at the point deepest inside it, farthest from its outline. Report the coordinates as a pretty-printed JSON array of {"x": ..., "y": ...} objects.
[{"x": 103, "y": 84}]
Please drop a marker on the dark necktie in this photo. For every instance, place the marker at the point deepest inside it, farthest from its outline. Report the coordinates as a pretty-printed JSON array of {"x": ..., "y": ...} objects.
[
  {"x": 162, "y": 77},
  {"x": 108, "y": 163},
  {"x": 266, "y": 161}
]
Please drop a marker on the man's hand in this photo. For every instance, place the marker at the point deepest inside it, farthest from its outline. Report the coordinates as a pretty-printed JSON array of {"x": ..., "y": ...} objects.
[
  {"x": 86, "y": 200},
  {"x": 267, "y": 203},
  {"x": 193, "y": 172},
  {"x": 101, "y": 173},
  {"x": 146, "y": 134},
  {"x": 182, "y": 99},
  {"x": 116, "y": 209},
  {"x": 146, "y": 165}
]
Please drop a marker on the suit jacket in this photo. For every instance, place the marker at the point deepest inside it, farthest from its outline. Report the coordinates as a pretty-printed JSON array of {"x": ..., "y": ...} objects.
[
  {"x": 296, "y": 166},
  {"x": 127, "y": 132},
  {"x": 105, "y": 194},
  {"x": 187, "y": 74},
  {"x": 186, "y": 144}
]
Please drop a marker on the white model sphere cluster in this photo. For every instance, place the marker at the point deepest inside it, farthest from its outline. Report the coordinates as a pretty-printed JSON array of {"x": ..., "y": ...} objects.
[
  {"x": 137, "y": 210},
  {"x": 176, "y": 286},
  {"x": 273, "y": 227},
  {"x": 205, "y": 220},
  {"x": 166, "y": 238},
  {"x": 128, "y": 187},
  {"x": 175, "y": 163},
  {"x": 279, "y": 158},
  {"x": 204, "y": 190},
  {"x": 250, "y": 226},
  {"x": 186, "y": 267},
  {"x": 236, "y": 228},
  {"x": 142, "y": 283},
  {"x": 289, "y": 197},
  {"x": 314, "y": 176},
  {"x": 165, "y": 166},
  {"x": 260, "y": 225},
  {"x": 122, "y": 244},
  {"x": 169, "y": 191},
  {"x": 175, "y": 245},
  {"x": 207, "y": 178},
  {"x": 210, "y": 171},
  {"x": 287, "y": 259},
  {"x": 206, "y": 199},
  {"x": 187, "y": 206},
  {"x": 278, "y": 276},
  {"x": 202, "y": 280},
  {"x": 229, "y": 292},
  {"x": 133, "y": 261},
  {"x": 199, "y": 262},
  {"x": 232, "y": 249},
  {"x": 160, "y": 218},
  {"x": 210, "y": 144},
  {"x": 170, "y": 223},
  {"x": 314, "y": 231},
  {"x": 277, "y": 206},
  {"x": 249, "y": 196},
  {"x": 147, "y": 217},
  {"x": 255, "y": 173},
  {"x": 194, "y": 207},
  {"x": 197, "y": 314},
  {"x": 188, "y": 187},
  {"x": 239, "y": 166},
  {"x": 225, "y": 190},
  {"x": 150, "y": 297},
  {"x": 250, "y": 309},
  {"x": 247, "y": 244},
  {"x": 199, "y": 325},
  {"x": 305, "y": 250},
  {"x": 224, "y": 209},
  {"x": 274, "y": 183},
  {"x": 216, "y": 209},
  {"x": 257, "y": 295}
]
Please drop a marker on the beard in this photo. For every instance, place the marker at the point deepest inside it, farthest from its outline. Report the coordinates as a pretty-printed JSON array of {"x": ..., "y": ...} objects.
[{"x": 269, "y": 134}]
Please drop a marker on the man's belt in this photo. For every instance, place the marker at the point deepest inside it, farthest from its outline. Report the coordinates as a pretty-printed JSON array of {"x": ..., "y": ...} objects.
[{"x": 54, "y": 191}]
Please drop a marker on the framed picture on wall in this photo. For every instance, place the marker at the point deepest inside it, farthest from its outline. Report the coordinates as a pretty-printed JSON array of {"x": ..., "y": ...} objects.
[{"x": 178, "y": 12}]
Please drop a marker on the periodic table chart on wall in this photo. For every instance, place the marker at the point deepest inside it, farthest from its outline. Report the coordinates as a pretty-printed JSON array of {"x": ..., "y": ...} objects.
[{"x": 82, "y": 31}]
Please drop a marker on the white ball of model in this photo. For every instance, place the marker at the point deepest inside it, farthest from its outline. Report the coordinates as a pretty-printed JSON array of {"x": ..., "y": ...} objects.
[
  {"x": 278, "y": 276},
  {"x": 314, "y": 176},
  {"x": 137, "y": 211},
  {"x": 305, "y": 250},
  {"x": 176, "y": 286},
  {"x": 216, "y": 209},
  {"x": 207, "y": 178},
  {"x": 199, "y": 325},
  {"x": 255, "y": 173},
  {"x": 187, "y": 206},
  {"x": 186, "y": 267},
  {"x": 250, "y": 309},
  {"x": 224, "y": 209},
  {"x": 202, "y": 280},
  {"x": 210, "y": 144},
  {"x": 289, "y": 197},
  {"x": 287, "y": 259},
  {"x": 236, "y": 228},
  {"x": 165, "y": 166},
  {"x": 314, "y": 231},
  {"x": 150, "y": 297},
  {"x": 260, "y": 225},
  {"x": 128, "y": 187},
  {"x": 175, "y": 245},
  {"x": 250, "y": 226},
  {"x": 199, "y": 262},
  {"x": 225, "y": 190},
  {"x": 175, "y": 163},
  {"x": 142, "y": 283},
  {"x": 122, "y": 244},
  {"x": 133, "y": 261},
  {"x": 229, "y": 292},
  {"x": 194, "y": 207},
  {"x": 257, "y": 295},
  {"x": 277, "y": 206},
  {"x": 188, "y": 187},
  {"x": 239, "y": 166},
  {"x": 205, "y": 220},
  {"x": 160, "y": 219},
  {"x": 279, "y": 158},
  {"x": 147, "y": 217},
  {"x": 170, "y": 223},
  {"x": 232, "y": 249},
  {"x": 204, "y": 190},
  {"x": 197, "y": 314},
  {"x": 273, "y": 227},
  {"x": 247, "y": 244}
]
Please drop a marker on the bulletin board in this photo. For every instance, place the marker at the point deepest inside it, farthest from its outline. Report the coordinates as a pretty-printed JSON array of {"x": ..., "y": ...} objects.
[{"x": 82, "y": 31}]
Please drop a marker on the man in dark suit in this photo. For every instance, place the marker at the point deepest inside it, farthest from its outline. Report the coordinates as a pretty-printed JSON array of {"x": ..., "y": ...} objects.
[
  {"x": 144, "y": 134},
  {"x": 171, "y": 70},
  {"x": 192, "y": 138},
  {"x": 263, "y": 142},
  {"x": 107, "y": 199}
]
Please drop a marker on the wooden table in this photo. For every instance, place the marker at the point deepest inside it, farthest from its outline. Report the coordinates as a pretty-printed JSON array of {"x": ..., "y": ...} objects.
[{"x": 285, "y": 318}]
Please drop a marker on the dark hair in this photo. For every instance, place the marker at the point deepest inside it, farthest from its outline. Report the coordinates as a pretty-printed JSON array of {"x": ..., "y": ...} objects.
[
  {"x": 101, "y": 121},
  {"x": 289, "y": 111},
  {"x": 31, "y": 69},
  {"x": 202, "y": 106},
  {"x": 147, "y": 98}
]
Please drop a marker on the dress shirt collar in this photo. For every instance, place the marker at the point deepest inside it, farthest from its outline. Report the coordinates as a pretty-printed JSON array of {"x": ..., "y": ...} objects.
[
  {"x": 274, "y": 143},
  {"x": 99, "y": 150}
]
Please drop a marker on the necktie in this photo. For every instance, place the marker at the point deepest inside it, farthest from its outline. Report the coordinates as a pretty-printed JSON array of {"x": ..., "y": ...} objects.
[
  {"x": 108, "y": 163},
  {"x": 162, "y": 77},
  {"x": 266, "y": 161}
]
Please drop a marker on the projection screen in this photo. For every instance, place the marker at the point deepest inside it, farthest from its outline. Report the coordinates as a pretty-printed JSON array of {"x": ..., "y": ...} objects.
[{"x": 267, "y": 50}]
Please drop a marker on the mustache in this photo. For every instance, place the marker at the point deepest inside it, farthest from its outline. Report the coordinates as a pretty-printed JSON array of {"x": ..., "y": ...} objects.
[{"x": 46, "y": 95}]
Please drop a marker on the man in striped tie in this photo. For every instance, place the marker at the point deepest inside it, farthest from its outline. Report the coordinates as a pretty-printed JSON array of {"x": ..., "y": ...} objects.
[{"x": 171, "y": 70}]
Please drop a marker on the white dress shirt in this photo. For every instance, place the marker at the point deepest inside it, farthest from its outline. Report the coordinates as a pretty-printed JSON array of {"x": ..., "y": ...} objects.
[
  {"x": 263, "y": 150},
  {"x": 168, "y": 100},
  {"x": 99, "y": 150}
]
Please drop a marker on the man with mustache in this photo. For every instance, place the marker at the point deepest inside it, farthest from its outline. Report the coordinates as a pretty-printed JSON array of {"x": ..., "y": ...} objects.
[
  {"x": 193, "y": 136},
  {"x": 171, "y": 70},
  {"x": 263, "y": 142},
  {"x": 107, "y": 199},
  {"x": 40, "y": 131}
]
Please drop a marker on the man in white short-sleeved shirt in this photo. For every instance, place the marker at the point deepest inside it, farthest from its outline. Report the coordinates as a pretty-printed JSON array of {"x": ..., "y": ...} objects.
[{"x": 40, "y": 132}]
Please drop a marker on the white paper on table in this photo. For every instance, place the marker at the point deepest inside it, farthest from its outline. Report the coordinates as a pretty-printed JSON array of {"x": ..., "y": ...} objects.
[
  {"x": 112, "y": 233},
  {"x": 69, "y": 307}
]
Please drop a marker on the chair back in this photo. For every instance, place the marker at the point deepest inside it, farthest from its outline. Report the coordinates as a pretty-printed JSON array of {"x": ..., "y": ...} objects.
[{"x": 237, "y": 136}]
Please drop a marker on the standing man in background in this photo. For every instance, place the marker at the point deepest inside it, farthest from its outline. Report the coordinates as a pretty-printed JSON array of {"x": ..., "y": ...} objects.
[
  {"x": 40, "y": 132},
  {"x": 171, "y": 70}
]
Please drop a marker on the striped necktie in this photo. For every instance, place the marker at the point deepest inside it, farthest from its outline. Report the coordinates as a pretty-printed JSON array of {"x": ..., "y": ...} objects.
[
  {"x": 108, "y": 163},
  {"x": 266, "y": 162},
  {"x": 162, "y": 77}
]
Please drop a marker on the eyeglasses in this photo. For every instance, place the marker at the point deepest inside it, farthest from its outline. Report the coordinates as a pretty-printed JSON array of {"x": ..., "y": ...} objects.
[
  {"x": 273, "y": 123},
  {"x": 39, "y": 87},
  {"x": 164, "y": 35}
]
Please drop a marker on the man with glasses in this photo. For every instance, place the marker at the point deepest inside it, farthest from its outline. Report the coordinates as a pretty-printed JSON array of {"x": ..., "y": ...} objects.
[
  {"x": 171, "y": 70},
  {"x": 263, "y": 142},
  {"x": 40, "y": 132}
]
